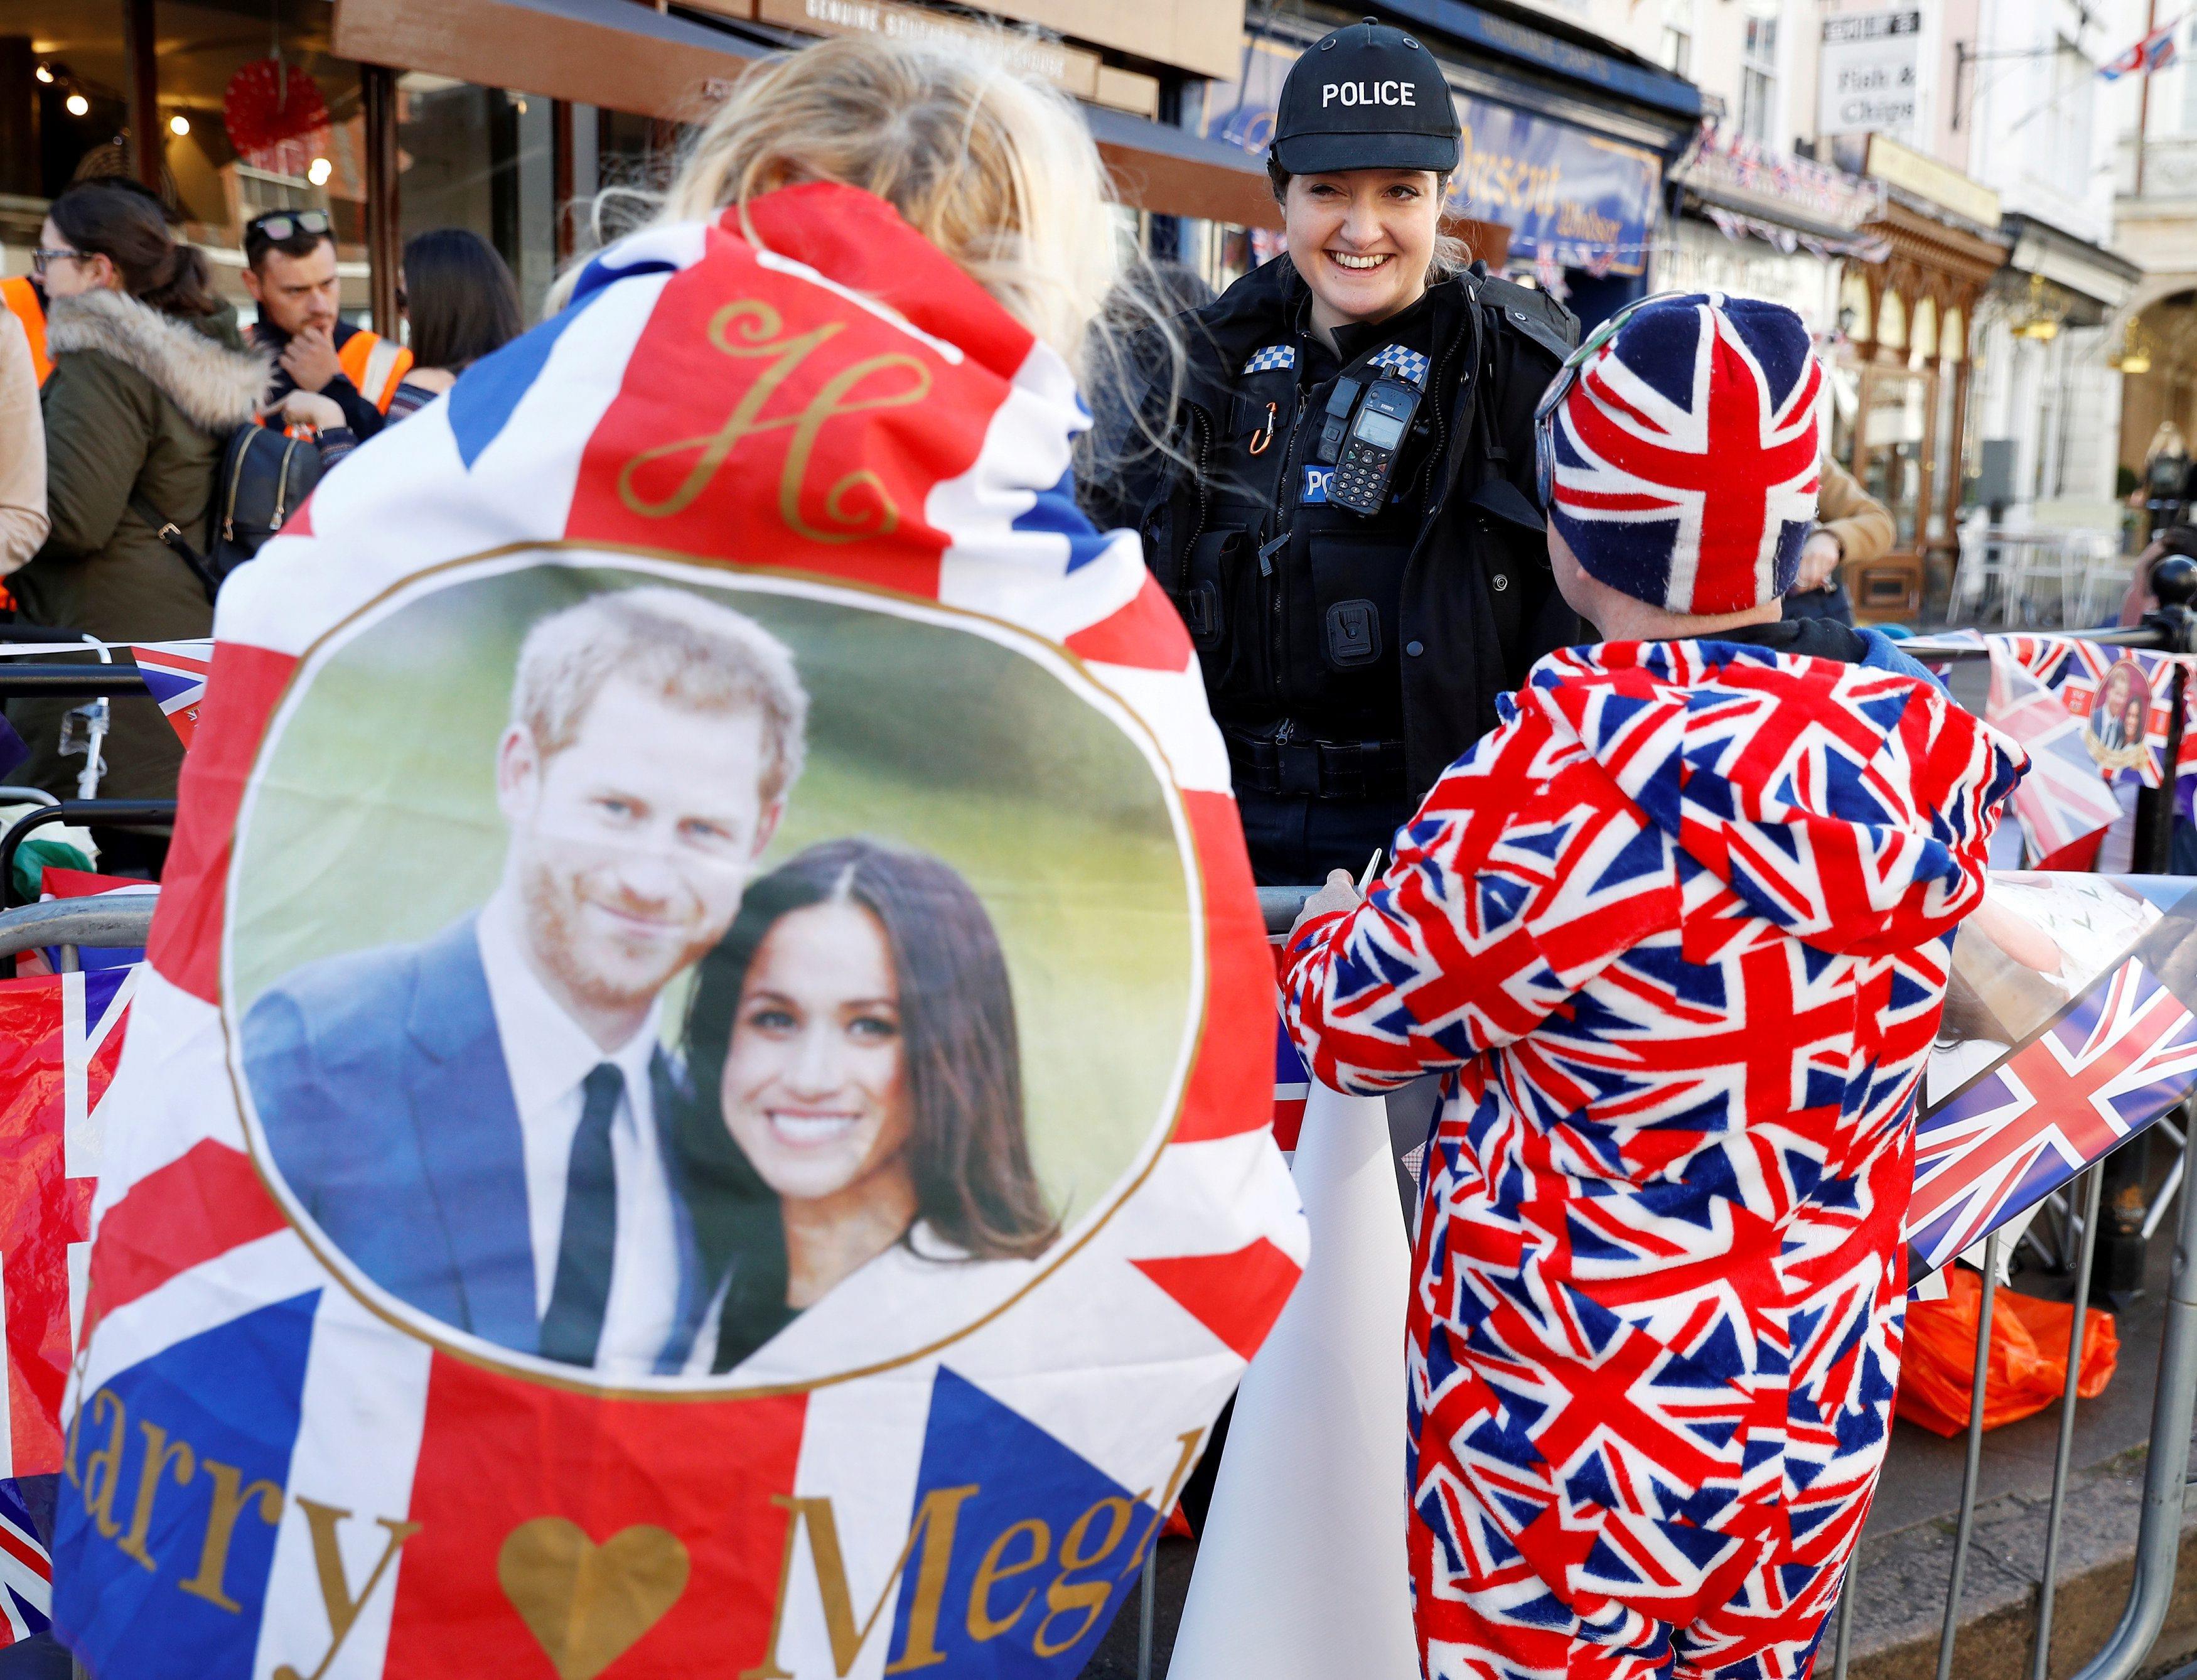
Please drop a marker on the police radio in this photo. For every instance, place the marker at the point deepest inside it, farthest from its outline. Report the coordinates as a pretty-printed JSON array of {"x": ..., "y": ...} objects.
[{"x": 1370, "y": 447}]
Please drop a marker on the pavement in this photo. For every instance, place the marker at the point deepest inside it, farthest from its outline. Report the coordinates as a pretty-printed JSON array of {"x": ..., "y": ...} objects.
[{"x": 1906, "y": 1551}]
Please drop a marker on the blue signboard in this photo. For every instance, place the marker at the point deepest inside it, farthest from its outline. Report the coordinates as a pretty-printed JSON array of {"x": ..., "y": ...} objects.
[{"x": 1568, "y": 195}]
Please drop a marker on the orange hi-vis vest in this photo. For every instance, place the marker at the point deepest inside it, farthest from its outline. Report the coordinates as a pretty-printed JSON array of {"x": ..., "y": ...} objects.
[
  {"x": 376, "y": 365},
  {"x": 21, "y": 298}
]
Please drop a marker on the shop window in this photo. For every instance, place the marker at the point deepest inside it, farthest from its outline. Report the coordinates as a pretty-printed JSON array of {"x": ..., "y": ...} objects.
[
  {"x": 1922, "y": 338},
  {"x": 1676, "y": 50},
  {"x": 258, "y": 113},
  {"x": 1894, "y": 436},
  {"x": 64, "y": 109},
  {"x": 1758, "y": 81},
  {"x": 1945, "y": 449},
  {"x": 479, "y": 158},
  {"x": 1891, "y": 323},
  {"x": 1953, "y": 336},
  {"x": 1855, "y": 319}
]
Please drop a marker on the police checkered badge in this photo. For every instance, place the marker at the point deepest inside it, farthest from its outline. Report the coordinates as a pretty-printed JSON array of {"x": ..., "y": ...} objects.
[
  {"x": 1274, "y": 356},
  {"x": 1408, "y": 365},
  {"x": 1686, "y": 455}
]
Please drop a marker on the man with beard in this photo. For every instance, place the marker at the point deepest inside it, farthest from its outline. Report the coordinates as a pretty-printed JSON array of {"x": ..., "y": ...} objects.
[{"x": 477, "y": 1122}]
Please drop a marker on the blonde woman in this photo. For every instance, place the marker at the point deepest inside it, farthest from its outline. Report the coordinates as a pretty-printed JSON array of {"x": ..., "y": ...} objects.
[{"x": 996, "y": 171}]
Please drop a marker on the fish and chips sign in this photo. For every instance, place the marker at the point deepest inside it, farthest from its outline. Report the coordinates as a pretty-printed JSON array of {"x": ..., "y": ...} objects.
[
  {"x": 1869, "y": 72},
  {"x": 697, "y": 1104}
]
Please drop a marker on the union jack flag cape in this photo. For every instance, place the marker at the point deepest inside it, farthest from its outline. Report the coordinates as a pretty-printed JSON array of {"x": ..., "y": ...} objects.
[{"x": 277, "y": 1466}]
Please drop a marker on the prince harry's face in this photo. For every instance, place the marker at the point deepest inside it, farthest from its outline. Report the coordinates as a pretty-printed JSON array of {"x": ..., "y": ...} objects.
[{"x": 631, "y": 847}]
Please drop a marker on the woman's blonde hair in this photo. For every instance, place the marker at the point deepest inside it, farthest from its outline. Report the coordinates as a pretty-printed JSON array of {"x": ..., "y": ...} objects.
[{"x": 995, "y": 170}]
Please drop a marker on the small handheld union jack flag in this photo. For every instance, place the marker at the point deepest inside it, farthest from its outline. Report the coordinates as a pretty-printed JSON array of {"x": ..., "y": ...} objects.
[
  {"x": 2062, "y": 800},
  {"x": 175, "y": 674},
  {"x": 26, "y": 1573},
  {"x": 2117, "y": 1057}
]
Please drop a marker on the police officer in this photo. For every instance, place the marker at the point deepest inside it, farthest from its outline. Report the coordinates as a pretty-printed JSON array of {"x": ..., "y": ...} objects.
[{"x": 1346, "y": 517}]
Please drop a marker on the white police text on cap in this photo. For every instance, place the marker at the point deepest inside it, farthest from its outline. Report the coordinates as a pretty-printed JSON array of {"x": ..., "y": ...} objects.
[{"x": 1367, "y": 93}]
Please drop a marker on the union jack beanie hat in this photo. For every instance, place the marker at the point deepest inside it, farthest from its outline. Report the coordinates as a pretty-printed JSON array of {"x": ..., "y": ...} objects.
[{"x": 1685, "y": 469}]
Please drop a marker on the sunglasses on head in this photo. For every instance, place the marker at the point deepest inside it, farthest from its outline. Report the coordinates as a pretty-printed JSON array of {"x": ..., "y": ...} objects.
[
  {"x": 1544, "y": 411},
  {"x": 277, "y": 225}
]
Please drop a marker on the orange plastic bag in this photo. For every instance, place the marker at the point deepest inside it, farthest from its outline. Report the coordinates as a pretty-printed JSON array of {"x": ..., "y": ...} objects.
[{"x": 2028, "y": 1368}]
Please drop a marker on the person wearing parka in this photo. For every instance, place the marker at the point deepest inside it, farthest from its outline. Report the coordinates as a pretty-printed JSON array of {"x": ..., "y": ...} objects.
[
  {"x": 1675, "y": 937},
  {"x": 150, "y": 377},
  {"x": 1852, "y": 530}
]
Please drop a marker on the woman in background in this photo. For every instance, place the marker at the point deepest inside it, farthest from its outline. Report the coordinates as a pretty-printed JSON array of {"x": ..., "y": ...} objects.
[
  {"x": 150, "y": 376},
  {"x": 461, "y": 303},
  {"x": 23, "y": 449}
]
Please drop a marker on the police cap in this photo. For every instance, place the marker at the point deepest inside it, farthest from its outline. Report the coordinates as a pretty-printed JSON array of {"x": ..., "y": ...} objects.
[{"x": 1366, "y": 96}]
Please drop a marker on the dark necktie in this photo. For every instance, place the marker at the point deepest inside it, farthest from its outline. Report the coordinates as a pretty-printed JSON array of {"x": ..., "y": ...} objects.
[{"x": 574, "y": 1322}]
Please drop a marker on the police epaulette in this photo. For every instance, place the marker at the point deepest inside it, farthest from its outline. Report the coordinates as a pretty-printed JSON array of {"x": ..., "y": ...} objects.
[{"x": 1538, "y": 315}]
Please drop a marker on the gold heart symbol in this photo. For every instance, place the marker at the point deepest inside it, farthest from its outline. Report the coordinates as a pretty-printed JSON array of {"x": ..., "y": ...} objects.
[{"x": 588, "y": 1605}]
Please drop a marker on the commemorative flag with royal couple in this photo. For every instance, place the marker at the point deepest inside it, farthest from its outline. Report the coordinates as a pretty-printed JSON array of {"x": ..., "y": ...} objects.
[
  {"x": 2087, "y": 711},
  {"x": 311, "y": 1430}
]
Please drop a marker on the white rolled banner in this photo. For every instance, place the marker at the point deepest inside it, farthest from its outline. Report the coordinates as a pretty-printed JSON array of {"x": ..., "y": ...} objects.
[{"x": 1301, "y": 1573}]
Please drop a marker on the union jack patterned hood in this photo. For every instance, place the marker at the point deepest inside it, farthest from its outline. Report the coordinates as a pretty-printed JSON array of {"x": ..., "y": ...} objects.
[{"x": 1847, "y": 804}]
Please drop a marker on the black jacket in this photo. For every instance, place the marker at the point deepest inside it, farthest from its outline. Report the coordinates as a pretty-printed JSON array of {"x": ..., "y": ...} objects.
[
  {"x": 359, "y": 414},
  {"x": 1229, "y": 534}
]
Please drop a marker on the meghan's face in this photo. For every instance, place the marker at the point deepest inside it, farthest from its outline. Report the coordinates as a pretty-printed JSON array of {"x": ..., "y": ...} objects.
[{"x": 815, "y": 1083}]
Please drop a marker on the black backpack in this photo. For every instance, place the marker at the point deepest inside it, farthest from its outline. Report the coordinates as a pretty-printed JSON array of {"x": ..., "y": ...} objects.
[{"x": 264, "y": 476}]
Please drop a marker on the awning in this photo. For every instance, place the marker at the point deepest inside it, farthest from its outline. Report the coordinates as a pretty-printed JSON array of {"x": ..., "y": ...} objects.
[
  {"x": 633, "y": 58},
  {"x": 1608, "y": 69},
  {"x": 2070, "y": 262}
]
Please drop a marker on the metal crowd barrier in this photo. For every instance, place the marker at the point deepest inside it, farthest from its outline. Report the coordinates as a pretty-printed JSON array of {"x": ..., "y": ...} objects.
[
  {"x": 97, "y": 683},
  {"x": 106, "y": 813},
  {"x": 111, "y": 920},
  {"x": 125, "y": 920}
]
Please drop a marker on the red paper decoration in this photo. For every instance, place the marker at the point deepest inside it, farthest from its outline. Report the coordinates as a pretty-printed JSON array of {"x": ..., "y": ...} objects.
[{"x": 267, "y": 103}]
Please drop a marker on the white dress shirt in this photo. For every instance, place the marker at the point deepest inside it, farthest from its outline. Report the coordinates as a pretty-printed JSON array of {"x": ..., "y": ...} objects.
[{"x": 549, "y": 1057}]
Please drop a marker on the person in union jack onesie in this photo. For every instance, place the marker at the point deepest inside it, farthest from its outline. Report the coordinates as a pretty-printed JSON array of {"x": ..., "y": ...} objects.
[{"x": 1675, "y": 937}]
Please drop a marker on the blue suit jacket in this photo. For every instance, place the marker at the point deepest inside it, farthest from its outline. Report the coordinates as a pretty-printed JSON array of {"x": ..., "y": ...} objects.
[{"x": 380, "y": 1081}]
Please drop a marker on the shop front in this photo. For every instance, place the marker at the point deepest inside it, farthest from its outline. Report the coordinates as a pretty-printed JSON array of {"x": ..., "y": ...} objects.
[
  {"x": 1765, "y": 223},
  {"x": 395, "y": 116},
  {"x": 2045, "y": 375},
  {"x": 1906, "y": 316},
  {"x": 1565, "y": 147}
]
